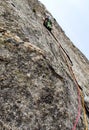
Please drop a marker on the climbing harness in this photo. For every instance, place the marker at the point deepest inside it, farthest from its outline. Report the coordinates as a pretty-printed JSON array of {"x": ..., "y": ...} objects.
[{"x": 77, "y": 85}]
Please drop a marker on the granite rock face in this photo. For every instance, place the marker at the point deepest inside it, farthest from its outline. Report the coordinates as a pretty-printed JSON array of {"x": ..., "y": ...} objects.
[{"x": 37, "y": 89}]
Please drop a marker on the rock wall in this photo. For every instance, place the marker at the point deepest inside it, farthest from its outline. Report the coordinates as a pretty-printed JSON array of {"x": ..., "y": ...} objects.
[{"x": 37, "y": 89}]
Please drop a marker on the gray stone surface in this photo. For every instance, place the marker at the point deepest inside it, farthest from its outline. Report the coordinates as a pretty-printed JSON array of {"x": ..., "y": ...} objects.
[{"x": 37, "y": 90}]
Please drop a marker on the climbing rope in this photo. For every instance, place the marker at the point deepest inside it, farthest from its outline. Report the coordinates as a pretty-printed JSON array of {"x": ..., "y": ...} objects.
[
  {"x": 78, "y": 89},
  {"x": 79, "y": 101},
  {"x": 84, "y": 111},
  {"x": 59, "y": 45}
]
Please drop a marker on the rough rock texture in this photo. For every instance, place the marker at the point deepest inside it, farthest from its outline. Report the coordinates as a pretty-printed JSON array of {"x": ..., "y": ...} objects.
[{"x": 37, "y": 89}]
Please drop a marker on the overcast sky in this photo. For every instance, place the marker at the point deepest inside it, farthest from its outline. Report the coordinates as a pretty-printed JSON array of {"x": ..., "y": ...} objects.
[{"x": 73, "y": 17}]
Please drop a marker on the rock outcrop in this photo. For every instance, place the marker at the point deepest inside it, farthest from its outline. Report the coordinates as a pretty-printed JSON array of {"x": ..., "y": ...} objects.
[{"x": 41, "y": 74}]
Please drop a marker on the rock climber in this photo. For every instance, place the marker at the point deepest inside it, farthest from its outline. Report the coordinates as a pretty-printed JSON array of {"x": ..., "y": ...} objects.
[{"x": 48, "y": 23}]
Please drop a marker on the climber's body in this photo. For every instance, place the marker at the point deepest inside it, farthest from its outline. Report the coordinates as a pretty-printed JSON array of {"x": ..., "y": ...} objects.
[{"x": 48, "y": 23}]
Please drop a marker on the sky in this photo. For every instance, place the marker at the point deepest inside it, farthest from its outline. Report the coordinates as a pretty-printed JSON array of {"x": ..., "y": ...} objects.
[{"x": 73, "y": 17}]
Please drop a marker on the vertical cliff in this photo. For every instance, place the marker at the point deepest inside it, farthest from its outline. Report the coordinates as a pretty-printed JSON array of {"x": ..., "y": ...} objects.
[{"x": 42, "y": 74}]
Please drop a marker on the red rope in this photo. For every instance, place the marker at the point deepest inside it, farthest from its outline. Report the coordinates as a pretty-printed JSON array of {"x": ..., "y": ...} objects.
[
  {"x": 79, "y": 111},
  {"x": 79, "y": 100}
]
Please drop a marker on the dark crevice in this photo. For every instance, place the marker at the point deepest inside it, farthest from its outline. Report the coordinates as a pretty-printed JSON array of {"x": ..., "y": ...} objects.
[{"x": 55, "y": 73}]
